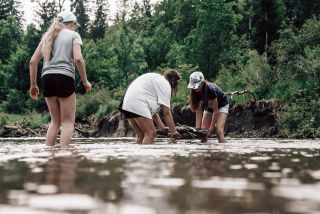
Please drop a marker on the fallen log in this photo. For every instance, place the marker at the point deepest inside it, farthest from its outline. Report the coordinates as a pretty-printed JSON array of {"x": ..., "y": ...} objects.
[
  {"x": 231, "y": 94},
  {"x": 187, "y": 132}
]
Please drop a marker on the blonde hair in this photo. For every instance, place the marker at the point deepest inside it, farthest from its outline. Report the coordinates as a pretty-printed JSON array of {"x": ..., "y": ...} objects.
[{"x": 50, "y": 37}]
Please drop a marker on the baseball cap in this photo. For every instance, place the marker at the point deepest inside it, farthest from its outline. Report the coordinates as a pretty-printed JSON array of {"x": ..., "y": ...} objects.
[
  {"x": 196, "y": 78},
  {"x": 67, "y": 16}
]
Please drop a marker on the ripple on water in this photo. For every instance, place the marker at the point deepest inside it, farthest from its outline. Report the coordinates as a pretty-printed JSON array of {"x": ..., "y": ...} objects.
[
  {"x": 26, "y": 210},
  {"x": 47, "y": 189},
  {"x": 272, "y": 175},
  {"x": 133, "y": 208},
  {"x": 298, "y": 192},
  {"x": 315, "y": 174},
  {"x": 167, "y": 182},
  {"x": 260, "y": 158},
  {"x": 309, "y": 207},
  {"x": 64, "y": 202},
  {"x": 251, "y": 166},
  {"x": 235, "y": 167},
  {"x": 227, "y": 184}
]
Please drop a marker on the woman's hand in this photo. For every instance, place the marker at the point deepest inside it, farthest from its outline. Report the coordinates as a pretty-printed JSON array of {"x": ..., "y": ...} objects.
[
  {"x": 87, "y": 86},
  {"x": 209, "y": 133},
  {"x": 175, "y": 135},
  {"x": 34, "y": 92}
]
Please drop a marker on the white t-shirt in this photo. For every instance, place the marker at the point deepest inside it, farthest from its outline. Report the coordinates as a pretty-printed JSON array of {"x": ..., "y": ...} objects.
[{"x": 146, "y": 94}]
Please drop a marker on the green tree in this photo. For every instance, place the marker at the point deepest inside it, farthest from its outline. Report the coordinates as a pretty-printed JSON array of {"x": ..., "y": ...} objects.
[
  {"x": 208, "y": 44},
  {"x": 299, "y": 11},
  {"x": 128, "y": 51},
  {"x": 140, "y": 17},
  {"x": 261, "y": 20},
  {"x": 81, "y": 9},
  {"x": 184, "y": 20},
  {"x": 46, "y": 13},
  {"x": 100, "y": 23},
  {"x": 10, "y": 37},
  {"x": 11, "y": 8}
]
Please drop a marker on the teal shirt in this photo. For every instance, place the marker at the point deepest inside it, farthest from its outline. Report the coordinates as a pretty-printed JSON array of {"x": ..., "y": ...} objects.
[{"x": 62, "y": 54}]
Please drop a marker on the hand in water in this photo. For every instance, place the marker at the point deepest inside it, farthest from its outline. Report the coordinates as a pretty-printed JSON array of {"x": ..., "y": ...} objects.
[
  {"x": 209, "y": 133},
  {"x": 175, "y": 135}
]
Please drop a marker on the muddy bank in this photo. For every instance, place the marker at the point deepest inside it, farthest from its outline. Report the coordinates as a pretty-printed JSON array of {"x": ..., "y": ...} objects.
[{"x": 255, "y": 119}]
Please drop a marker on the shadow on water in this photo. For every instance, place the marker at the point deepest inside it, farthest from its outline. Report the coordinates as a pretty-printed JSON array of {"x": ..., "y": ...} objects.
[{"x": 116, "y": 176}]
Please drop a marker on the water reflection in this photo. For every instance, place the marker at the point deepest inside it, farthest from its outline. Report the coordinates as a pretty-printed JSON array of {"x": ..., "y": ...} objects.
[{"x": 243, "y": 176}]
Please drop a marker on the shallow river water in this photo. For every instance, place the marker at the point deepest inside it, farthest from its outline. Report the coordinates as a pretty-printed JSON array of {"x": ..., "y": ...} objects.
[{"x": 247, "y": 176}]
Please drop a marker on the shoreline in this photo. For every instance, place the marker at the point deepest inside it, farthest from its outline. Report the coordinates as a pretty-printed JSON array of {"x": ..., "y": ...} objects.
[{"x": 256, "y": 119}]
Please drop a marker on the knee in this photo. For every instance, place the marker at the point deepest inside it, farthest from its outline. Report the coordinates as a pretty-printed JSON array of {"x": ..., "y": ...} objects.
[
  {"x": 68, "y": 119},
  {"x": 140, "y": 136},
  {"x": 56, "y": 123},
  {"x": 220, "y": 130},
  {"x": 151, "y": 134}
]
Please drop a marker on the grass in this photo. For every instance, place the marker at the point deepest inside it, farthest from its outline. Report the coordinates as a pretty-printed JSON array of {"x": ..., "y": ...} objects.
[{"x": 32, "y": 119}]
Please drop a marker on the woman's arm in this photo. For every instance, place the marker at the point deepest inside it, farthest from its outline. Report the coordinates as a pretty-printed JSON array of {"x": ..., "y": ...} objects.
[
  {"x": 79, "y": 62},
  {"x": 169, "y": 120},
  {"x": 33, "y": 67},
  {"x": 158, "y": 121},
  {"x": 214, "y": 115},
  {"x": 198, "y": 118}
]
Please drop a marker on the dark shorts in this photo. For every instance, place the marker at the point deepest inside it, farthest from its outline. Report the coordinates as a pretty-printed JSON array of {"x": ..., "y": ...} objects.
[
  {"x": 59, "y": 85},
  {"x": 128, "y": 114}
]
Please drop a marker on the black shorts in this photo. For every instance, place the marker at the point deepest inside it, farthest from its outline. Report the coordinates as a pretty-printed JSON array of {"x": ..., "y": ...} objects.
[
  {"x": 128, "y": 114},
  {"x": 59, "y": 85}
]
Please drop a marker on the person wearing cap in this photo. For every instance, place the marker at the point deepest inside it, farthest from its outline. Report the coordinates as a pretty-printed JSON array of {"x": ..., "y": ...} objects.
[
  {"x": 210, "y": 104},
  {"x": 144, "y": 98},
  {"x": 60, "y": 47}
]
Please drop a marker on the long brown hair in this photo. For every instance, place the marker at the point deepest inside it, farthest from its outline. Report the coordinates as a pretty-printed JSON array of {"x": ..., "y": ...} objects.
[
  {"x": 50, "y": 37},
  {"x": 199, "y": 99},
  {"x": 173, "y": 78}
]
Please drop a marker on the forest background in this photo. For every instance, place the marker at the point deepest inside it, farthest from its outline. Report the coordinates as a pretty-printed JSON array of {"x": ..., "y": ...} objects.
[{"x": 269, "y": 47}]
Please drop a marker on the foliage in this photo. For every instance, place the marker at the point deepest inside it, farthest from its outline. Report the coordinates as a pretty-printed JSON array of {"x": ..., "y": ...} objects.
[
  {"x": 15, "y": 102},
  {"x": 302, "y": 117},
  {"x": 269, "y": 47},
  {"x": 11, "y": 8},
  {"x": 10, "y": 37},
  {"x": 208, "y": 43},
  {"x": 99, "y": 102},
  {"x": 100, "y": 24},
  {"x": 48, "y": 10},
  {"x": 81, "y": 10},
  {"x": 32, "y": 119}
]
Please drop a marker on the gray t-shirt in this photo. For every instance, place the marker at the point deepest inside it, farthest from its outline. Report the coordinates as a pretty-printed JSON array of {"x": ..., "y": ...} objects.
[{"x": 62, "y": 54}]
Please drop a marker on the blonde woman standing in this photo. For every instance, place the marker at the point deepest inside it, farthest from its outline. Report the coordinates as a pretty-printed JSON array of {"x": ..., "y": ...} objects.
[{"x": 60, "y": 48}]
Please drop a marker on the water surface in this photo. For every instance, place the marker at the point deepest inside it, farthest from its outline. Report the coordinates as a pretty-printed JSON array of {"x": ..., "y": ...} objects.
[{"x": 255, "y": 176}]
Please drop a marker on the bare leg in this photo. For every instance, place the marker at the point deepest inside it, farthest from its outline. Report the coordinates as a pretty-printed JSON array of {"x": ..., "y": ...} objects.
[
  {"x": 147, "y": 127},
  {"x": 137, "y": 131},
  {"x": 221, "y": 120},
  {"x": 68, "y": 111},
  {"x": 55, "y": 124}
]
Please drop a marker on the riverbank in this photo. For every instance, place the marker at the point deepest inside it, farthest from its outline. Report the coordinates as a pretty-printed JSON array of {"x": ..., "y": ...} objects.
[{"x": 254, "y": 119}]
